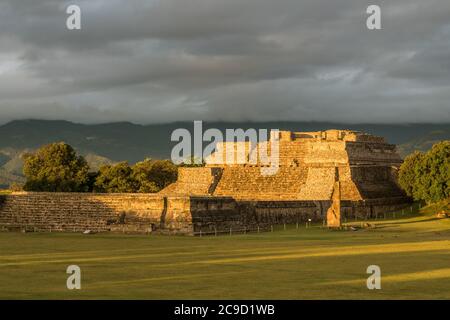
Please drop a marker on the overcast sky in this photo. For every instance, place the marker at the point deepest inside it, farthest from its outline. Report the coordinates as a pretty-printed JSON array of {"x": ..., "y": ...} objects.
[{"x": 240, "y": 60}]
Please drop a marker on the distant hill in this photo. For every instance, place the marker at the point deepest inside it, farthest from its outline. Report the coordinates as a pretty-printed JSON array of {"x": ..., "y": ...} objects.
[
  {"x": 95, "y": 161},
  {"x": 113, "y": 142},
  {"x": 423, "y": 143},
  {"x": 7, "y": 179}
]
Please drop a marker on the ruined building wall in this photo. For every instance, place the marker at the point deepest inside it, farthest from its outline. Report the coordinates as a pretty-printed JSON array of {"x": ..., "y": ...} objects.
[
  {"x": 313, "y": 182},
  {"x": 128, "y": 213},
  {"x": 246, "y": 215},
  {"x": 360, "y": 153},
  {"x": 79, "y": 211},
  {"x": 144, "y": 213}
]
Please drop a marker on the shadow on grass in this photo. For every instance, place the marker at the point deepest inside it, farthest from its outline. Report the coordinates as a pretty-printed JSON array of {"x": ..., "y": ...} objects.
[
  {"x": 409, "y": 222},
  {"x": 220, "y": 256},
  {"x": 427, "y": 275}
]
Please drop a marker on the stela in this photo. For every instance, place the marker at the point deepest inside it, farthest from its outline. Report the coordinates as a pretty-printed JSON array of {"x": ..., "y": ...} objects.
[{"x": 186, "y": 310}]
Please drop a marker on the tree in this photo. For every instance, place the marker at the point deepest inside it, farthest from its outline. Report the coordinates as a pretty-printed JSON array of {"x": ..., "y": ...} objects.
[
  {"x": 434, "y": 174},
  {"x": 55, "y": 167},
  {"x": 92, "y": 178},
  {"x": 154, "y": 175},
  {"x": 407, "y": 177},
  {"x": 141, "y": 173},
  {"x": 116, "y": 178},
  {"x": 427, "y": 176}
]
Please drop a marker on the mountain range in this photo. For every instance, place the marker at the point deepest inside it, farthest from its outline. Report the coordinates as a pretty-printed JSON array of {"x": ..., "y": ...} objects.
[{"x": 113, "y": 142}]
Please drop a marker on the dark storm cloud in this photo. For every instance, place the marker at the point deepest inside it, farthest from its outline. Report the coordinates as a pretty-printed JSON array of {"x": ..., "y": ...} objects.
[{"x": 168, "y": 60}]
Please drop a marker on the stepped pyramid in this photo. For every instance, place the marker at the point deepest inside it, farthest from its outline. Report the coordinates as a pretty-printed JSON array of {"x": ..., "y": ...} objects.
[{"x": 308, "y": 163}]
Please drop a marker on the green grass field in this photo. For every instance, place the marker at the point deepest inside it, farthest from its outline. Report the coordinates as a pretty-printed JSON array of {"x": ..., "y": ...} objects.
[{"x": 413, "y": 253}]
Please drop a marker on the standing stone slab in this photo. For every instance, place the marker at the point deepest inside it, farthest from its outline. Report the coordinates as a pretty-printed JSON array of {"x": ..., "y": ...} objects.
[{"x": 334, "y": 212}]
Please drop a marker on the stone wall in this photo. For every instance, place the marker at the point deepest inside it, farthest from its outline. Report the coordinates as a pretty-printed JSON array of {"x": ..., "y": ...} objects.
[
  {"x": 146, "y": 213},
  {"x": 79, "y": 212},
  {"x": 249, "y": 216},
  {"x": 125, "y": 213},
  {"x": 216, "y": 214}
]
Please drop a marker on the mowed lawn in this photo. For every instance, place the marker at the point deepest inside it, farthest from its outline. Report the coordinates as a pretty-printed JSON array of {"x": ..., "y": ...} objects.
[{"x": 413, "y": 254}]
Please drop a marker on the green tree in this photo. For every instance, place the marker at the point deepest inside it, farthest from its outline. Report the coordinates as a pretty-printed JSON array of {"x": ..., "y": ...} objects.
[
  {"x": 154, "y": 175},
  {"x": 433, "y": 172},
  {"x": 407, "y": 176},
  {"x": 427, "y": 176},
  {"x": 116, "y": 178},
  {"x": 55, "y": 168},
  {"x": 141, "y": 173}
]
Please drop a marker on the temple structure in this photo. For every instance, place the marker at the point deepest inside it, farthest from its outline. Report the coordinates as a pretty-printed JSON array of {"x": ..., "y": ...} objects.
[
  {"x": 319, "y": 175},
  {"x": 309, "y": 165}
]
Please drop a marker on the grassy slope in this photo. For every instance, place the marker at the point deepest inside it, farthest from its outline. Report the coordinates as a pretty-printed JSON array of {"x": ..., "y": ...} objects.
[{"x": 413, "y": 253}]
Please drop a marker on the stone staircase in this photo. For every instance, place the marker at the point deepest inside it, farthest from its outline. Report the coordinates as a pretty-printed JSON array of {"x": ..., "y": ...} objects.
[
  {"x": 248, "y": 183},
  {"x": 194, "y": 181}
]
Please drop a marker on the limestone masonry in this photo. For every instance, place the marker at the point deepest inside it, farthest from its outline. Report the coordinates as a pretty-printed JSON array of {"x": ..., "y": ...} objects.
[{"x": 338, "y": 171}]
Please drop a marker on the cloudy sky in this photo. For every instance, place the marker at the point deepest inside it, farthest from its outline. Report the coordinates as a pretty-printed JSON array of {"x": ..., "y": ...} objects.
[{"x": 169, "y": 60}]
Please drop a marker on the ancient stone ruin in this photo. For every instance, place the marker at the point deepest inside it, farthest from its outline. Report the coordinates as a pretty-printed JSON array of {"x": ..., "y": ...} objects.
[
  {"x": 309, "y": 165},
  {"x": 323, "y": 176}
]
